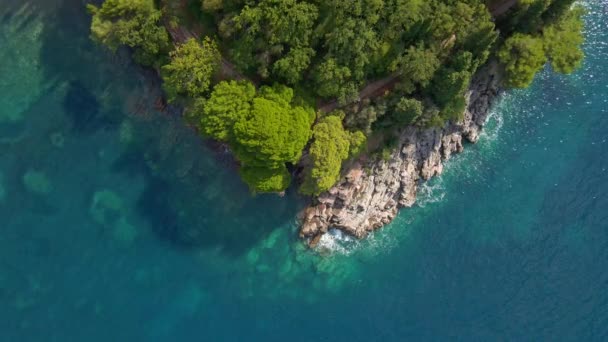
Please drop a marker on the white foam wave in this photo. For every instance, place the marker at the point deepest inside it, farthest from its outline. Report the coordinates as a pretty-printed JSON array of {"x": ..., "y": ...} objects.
[
  {"x": 336, "y": 242},
  {"x": 430, "y": 192},
  {"x": 493, "y": 127}
]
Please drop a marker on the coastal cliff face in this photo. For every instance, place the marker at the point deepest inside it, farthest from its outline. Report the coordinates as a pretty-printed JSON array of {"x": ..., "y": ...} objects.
[{"x": 371, "y": 193}]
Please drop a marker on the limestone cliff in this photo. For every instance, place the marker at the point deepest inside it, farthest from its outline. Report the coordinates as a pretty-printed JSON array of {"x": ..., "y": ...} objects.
[{"x": 371, "y": 193}]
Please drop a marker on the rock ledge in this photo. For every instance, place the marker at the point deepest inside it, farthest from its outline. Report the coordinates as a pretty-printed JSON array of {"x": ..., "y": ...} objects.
[{"x": 371, "y": 193}]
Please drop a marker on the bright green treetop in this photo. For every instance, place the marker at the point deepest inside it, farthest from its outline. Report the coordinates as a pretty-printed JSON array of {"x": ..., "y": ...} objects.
[
  {"x": 274, "y": 132},
  {"x": 330, "y": 147},
  {"x": 191, "y": 69},
  {"x": 265, "y": 130},
  {"x": 523, "y": 56},
  {"x": 358, "y": 141},
  {"x": 229, "y": 102},
  {"x": 261, "y": 179},
  {"x": 553, "y": 32},
  {"x": 563, "y": 40},
  {"x": 134, "y": 23}
]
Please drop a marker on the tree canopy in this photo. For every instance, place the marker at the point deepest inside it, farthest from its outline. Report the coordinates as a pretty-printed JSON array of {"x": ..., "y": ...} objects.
[
  {"x": 386, "y": 63},
  {"x": 273, "y": 132},
  {"x": 265, "y": 130},
  {"x": 274, "y": 38},
  {"x": 229, "y": 102},
  {"x": 331, "y": 145},
  {"x": 523, "y": 55},
  {"x": 191, "y": 69},
  {"x": 562, "y": 41},
  {"x": 133, "y": 23}
]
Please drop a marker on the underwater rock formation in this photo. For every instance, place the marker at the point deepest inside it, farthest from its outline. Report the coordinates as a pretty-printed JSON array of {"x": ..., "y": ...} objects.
[
  {"x": 108, "y": 210},
  {"x": 37, "y": 182}
]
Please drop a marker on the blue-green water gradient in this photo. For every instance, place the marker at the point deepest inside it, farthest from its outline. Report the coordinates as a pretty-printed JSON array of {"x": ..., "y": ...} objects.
[{"x": 118, "y": 223}]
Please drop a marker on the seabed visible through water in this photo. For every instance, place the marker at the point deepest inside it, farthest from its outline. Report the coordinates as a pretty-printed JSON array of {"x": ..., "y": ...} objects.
[{"x": 118, "y": 223}]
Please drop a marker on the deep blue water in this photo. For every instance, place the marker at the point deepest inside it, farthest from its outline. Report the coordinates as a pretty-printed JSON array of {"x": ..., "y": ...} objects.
[{"x": 117, "y": 223}]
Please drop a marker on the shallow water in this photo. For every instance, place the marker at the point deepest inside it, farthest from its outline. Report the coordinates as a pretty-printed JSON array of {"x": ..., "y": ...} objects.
[{"x": 119, "y": 223}]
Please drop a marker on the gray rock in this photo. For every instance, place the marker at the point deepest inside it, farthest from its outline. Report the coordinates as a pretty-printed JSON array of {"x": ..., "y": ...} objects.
[{"x": 370, "y": 195}]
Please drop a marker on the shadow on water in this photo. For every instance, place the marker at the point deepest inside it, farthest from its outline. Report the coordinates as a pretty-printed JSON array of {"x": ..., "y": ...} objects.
[
  {"x": 190, "y": 199},
  {"x": 208, "y": 206},
  {"x": 189, "y": 219},
  {"x": 79, "y": 63},
  {"x": 83, "y": 109},
  {"x": 67, "y": 52},
  {"x": 193, "y": 196}
]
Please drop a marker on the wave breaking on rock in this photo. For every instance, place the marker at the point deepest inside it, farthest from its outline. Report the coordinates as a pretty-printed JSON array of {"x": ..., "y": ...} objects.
[{"x": 372, "y": 192}]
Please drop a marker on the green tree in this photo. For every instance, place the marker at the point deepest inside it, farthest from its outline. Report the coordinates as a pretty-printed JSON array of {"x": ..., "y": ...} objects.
[
  {"x": 478, "y": 34},
  {"x": 212, "y": 5},
  {"x": 334, "y": 80},
  {"x": 407, "y": 111},
  {"x": 273, "y": 133},
  {"x": 450, "y": 84},
  {"x": 402, "y": 18},
  {"x": 191, "y": 69},
  {"x": 229, "y": 102},
  {"x": 523, "y": 56},
  {"x": 417, "y": 66},
  {"x": 367, "y": 116},
  {"x": 557, "y": 9},
  {"x": 265, "y": 130},
  {"x": 527, "y": 16},
  {"x": 293, "y": 64},
  {"x": 350, "y": 35},
  {"x": 274, "y": 36},
  {"x": 562, "y": 42},
  {"x": 132, "y": 23},
  {"x": 330, "y": 147},
  {"x": 358, "y": 142},
  {"x": 261, "y": 179}
]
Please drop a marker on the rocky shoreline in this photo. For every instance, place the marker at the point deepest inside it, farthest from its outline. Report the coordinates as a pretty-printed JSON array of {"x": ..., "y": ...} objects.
[{"x": 371, "y": 193}]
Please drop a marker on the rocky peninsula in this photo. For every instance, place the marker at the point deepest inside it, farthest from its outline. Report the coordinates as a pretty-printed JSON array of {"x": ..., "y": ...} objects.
[
  {"x": 371, "y": 193},
  {"x": 292, "y": 89}
]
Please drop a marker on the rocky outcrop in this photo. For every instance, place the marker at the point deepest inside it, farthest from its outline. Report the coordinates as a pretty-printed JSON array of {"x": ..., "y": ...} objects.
[{"x": 371, "y": 193}]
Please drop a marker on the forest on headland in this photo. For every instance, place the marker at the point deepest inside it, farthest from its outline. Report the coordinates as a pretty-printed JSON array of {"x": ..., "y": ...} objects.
[{"x": 316, "y": 83}]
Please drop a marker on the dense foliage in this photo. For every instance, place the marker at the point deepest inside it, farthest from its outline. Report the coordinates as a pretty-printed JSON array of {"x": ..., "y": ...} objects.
[
  {"x": 544, "y": 30},
  {"x": 386, "y": 63},
  {"x": 330, "y": 147},
  {"x": 229, "y": 102},
  {"x": 133, "y": 23},
  {"x": 523, "y": 56},
  {"x": 334, "y": 47},
  {"x": 264, "y": 129},
  {"x": 191, "y": 69}
]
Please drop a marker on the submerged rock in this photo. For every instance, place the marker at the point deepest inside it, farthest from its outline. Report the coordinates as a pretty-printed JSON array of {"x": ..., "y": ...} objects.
[
  {"x": 57, "y": 139},
  {"x": 107, "y": 207},
  {"x": 108, "y": 210},
  {"x": 126, "y": 132},
  {"x": 124, "y": 231},
  {"x": 37, "y": 182},
  {"x": 370, "y": 196}
]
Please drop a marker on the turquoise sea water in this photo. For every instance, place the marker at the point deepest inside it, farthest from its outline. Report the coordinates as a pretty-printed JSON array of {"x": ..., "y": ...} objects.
[{"x": 118, "y": 224}]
